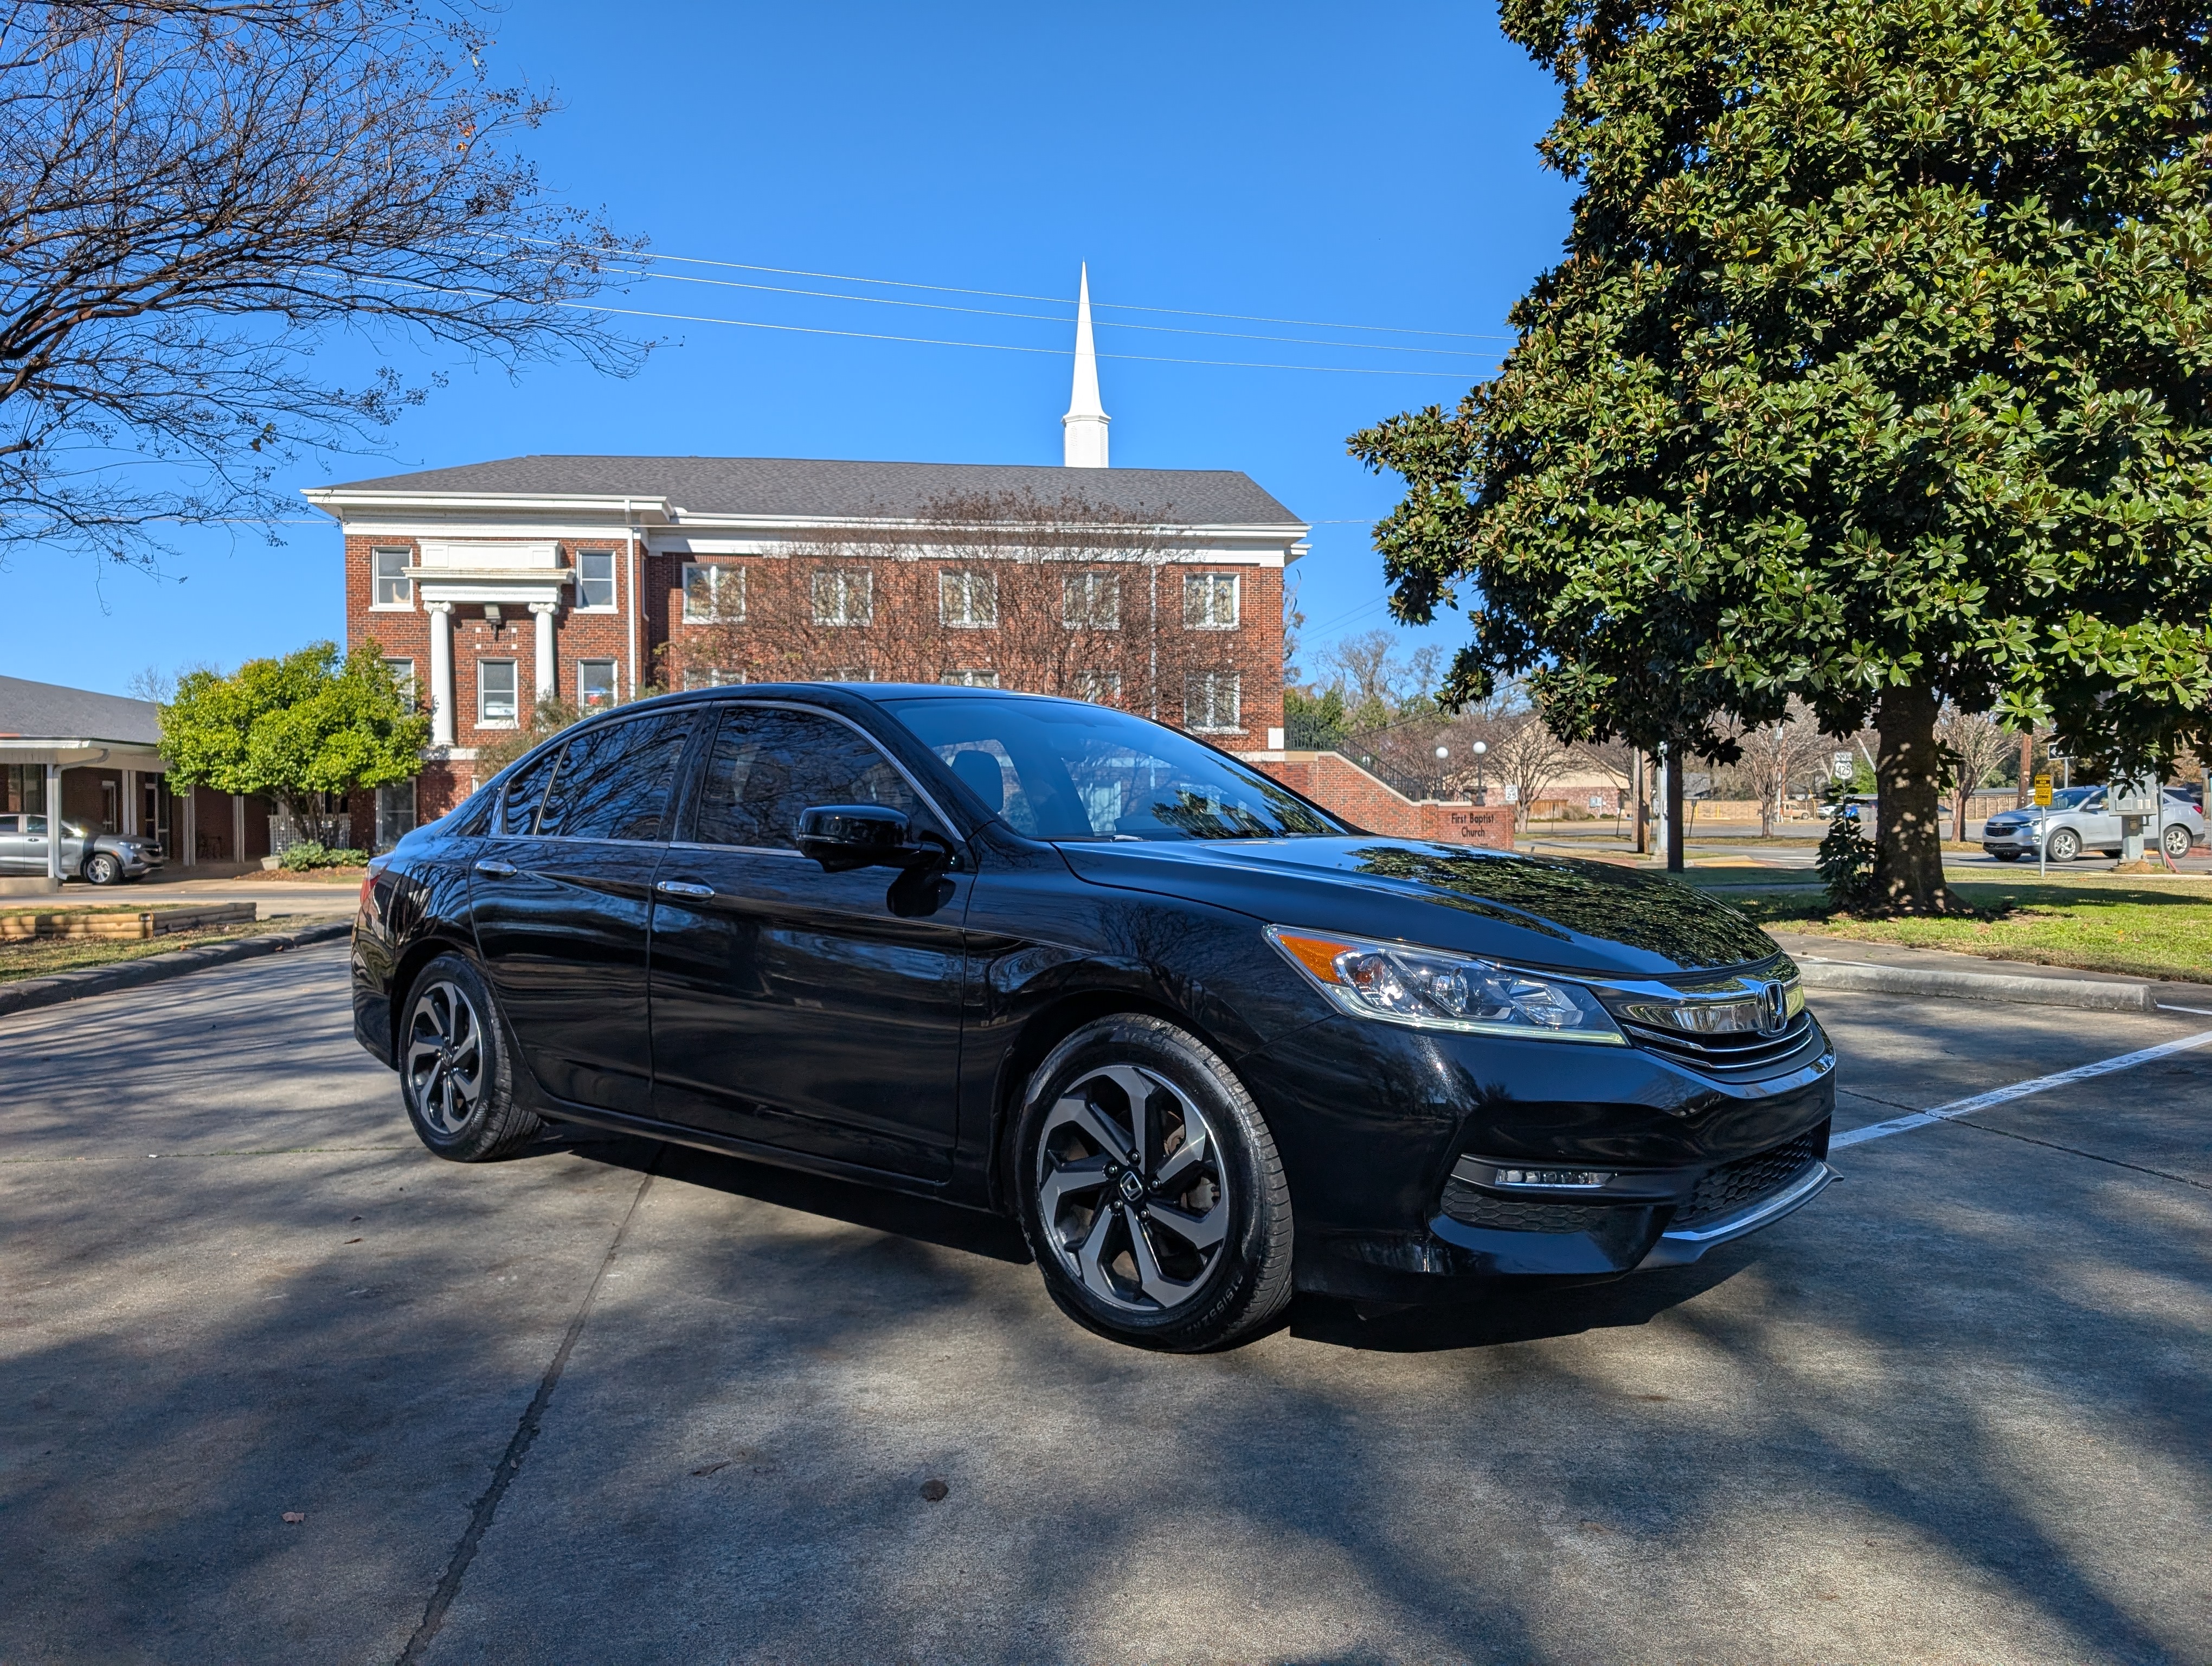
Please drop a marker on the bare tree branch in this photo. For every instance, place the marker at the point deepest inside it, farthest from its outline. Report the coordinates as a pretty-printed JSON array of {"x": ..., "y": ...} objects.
[{"x": 194, "y": 198}]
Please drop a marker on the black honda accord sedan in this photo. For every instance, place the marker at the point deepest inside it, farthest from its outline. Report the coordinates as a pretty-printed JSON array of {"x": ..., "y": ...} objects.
[{"x": 1208, "y": 1043}]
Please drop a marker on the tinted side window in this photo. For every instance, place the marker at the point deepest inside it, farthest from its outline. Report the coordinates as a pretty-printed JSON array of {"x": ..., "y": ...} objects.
[
  {"x": 517, "y": 810},
  {"x": 768, "y": 765},
  {"x": 614, "y": 779}
]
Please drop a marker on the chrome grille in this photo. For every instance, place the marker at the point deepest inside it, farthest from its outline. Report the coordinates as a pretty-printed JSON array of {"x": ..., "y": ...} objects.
[
  {"x": 1738, "y": 1185},
  {"x": 1743, "y": 1054}
]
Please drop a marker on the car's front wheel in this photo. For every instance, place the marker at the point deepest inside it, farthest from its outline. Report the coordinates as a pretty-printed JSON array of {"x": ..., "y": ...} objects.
[
  {"x": 1151, "y": 1190},
  {"x": 455, "y": 1071},
  {"x": 103, "y": 869},
  {"x": 2176, "y": 840},
  {"x": 2064, "y": 845}
]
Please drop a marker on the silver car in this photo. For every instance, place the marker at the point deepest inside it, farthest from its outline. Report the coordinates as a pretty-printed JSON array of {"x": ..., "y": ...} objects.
[
  {"x": 2080, "y": 820},
  {"x": 106, "y": 859}
]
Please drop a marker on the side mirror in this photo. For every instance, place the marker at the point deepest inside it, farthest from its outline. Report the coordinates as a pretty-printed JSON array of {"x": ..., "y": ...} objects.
[{"x": 845, "y": 836}]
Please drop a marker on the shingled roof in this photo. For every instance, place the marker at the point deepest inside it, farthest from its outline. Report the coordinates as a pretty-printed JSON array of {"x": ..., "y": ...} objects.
[
  {"x": 50, "y": 711},
  {"x": 820, "y": 489}
]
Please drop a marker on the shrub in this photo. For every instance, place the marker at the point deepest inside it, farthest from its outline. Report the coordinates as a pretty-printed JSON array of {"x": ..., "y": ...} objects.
[
  {"x": 1846, "y": 861},
  {"x": 306, "y": 855}
]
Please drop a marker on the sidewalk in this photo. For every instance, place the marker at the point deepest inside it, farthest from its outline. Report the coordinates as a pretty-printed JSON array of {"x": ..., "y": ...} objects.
[{"x": 272, "y": 898}]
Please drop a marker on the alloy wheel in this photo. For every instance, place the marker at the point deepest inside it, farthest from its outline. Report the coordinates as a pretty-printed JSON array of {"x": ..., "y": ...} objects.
[
  {"x": 2065, "y": 846},
  {"x": 1131, "y": 1191},
  {"x": 2176, "y": 840},
  {"x": 444, "y": 1058}
]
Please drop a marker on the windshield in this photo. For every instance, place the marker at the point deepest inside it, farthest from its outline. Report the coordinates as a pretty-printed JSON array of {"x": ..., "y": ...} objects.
[
  {"x": 1060, "y": 769},
  {"x": 2073, "y": 798}
]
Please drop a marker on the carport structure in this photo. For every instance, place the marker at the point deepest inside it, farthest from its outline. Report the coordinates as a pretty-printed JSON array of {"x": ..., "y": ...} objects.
[{"x": 95, "y": 759}]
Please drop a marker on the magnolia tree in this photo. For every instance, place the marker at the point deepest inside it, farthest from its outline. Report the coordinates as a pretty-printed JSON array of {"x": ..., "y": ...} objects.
[
  {"x": 295, "y": 729},
  {"x": 1876, "y": 376}
]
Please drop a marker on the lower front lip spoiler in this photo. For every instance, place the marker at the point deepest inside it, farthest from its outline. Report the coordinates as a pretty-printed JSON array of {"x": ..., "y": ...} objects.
[{"x": 1679, "y": 1249}]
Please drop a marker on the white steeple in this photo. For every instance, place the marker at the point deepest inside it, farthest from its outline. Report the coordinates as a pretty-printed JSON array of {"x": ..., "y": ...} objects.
[{"x": 1083, "y": 431}]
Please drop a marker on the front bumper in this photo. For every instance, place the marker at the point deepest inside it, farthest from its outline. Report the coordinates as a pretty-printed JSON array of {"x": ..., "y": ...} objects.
[{"x": 1393, "y": 1141}]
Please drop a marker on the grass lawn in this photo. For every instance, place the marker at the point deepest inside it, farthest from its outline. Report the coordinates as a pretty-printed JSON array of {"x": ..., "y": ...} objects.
[
  {"x": 41, "y": 957},
  {"x": 2142, "y": 927}
]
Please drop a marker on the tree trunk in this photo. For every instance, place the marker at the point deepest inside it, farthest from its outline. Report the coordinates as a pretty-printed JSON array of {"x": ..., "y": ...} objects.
[
  {"x": 2026, "y": 768},
  {"x": 1672, "y": 775},
  {"x": 1908, "y": 864}
]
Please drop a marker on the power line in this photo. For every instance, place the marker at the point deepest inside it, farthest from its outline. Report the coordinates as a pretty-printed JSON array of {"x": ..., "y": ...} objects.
[
  {"x": 1052, "y": 318},
  {"x": 1057, "y": 300},
  {"x": 1000, "y": 346}
]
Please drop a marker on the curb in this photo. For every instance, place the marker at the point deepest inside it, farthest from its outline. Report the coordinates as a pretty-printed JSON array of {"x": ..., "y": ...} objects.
[
  {"x": 2081, "y": 993},
  {"x": 37, "y": 992}
]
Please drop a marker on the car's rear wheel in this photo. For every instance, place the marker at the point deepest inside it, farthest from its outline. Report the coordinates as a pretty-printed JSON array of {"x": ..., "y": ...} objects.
[
  {"x": 1151, "y": 1190},
  {"x": 2064, "y": 845},
  {"x": 454, "y": 1070},
  {"x": 2176, "y": 840},
  {"x": 103, "y": 869}
]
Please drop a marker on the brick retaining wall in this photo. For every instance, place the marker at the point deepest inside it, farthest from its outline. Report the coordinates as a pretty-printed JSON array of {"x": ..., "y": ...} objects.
[{"x": 1336, "y": 782}]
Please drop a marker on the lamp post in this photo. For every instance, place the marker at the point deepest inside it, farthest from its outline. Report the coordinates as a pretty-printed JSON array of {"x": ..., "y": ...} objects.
[
  {"x": 1478, "y": 748},
  {"x": 1443, "y": 755}
]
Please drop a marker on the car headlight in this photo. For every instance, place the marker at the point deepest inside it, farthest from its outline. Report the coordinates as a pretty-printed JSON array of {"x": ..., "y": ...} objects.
[{"x": 1438, "y": 989}]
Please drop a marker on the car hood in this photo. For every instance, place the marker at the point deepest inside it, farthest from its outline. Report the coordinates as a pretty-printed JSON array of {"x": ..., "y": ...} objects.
[{"x": 1539, "y": 911}]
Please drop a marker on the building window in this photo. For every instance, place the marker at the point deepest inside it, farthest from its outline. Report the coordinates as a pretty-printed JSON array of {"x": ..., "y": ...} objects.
[
  {"x": 713, "y": 594},
  {"x": 968, "y": 601},
  {"x": 595, "y": 684},
  {"x": 395, "y": 813},
  {"x": 393, "y": 587},
  {"x": 403, "y": 674},
  {"x": 711, "y": 677},
  {"x": 25, "y": 785},
  {"x": 1092, "y": 601},
  {"x": 844, "y": 599},
  {"x": 1100, "y": 688},
  {"x": 495, "y": 708},
  {"x": 1212, "y": 702},
  {"x": 971, "y": 680},
  {"x": 1209, "y": 601},
  {"x": 595, "y": 580}
]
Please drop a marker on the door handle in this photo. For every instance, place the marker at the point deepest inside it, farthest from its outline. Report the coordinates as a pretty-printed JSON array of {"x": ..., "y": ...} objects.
[
  {"x": 684, "y": 888},
  {"x": 496, "y": 869}
]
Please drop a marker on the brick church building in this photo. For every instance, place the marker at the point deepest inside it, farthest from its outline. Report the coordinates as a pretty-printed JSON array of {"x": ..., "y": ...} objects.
[{"x": 590, "y": 580}]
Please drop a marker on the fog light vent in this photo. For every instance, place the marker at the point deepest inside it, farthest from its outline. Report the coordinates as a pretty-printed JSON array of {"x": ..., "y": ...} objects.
[{"x": 1550, "y": 1177}]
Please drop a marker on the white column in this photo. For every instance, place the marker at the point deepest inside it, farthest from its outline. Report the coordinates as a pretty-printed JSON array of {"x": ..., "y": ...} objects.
[
  {"x": 188, "y": 835},
  {"x": 548, "y": 683},
  {"x": 441, "y": 672},
  {"x": 54, "y": 823},
  {"x": 127, "y": 811},
  {"x": 237, "y": 828}
]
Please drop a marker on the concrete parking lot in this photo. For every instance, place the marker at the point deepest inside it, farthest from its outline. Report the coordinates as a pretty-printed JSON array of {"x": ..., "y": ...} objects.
[{"x": 611, "y": 1401}]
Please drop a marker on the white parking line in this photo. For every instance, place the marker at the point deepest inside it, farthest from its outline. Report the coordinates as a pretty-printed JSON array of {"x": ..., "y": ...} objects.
[{"x": 1921, "y": 1119}]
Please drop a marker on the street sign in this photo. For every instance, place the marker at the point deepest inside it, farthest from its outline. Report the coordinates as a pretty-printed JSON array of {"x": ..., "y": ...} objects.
[
  {"x": 1839, "y": 766},
  {"x": 2043, "y": 790},
  {"x": 1512, "y": 794}
]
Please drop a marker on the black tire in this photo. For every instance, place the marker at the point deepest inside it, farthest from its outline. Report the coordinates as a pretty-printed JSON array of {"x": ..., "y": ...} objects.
[
  {"x": 1090, "y": 1195},
  {"x": 103, "y": 869},
  {"x": 449, "y": 1022},
  {"x": 2176, "y": 841},
  {"x": 2064, "y": 846}
]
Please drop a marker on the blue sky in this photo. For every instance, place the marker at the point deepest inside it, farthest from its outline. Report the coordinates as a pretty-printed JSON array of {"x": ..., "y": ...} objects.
[{"x": 1359, "y": 166}]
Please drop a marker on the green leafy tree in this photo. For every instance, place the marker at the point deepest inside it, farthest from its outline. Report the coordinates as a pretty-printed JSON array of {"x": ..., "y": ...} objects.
[
  {"x": 1875, "y": 374},
  {"x": 289, "y": 729}
]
